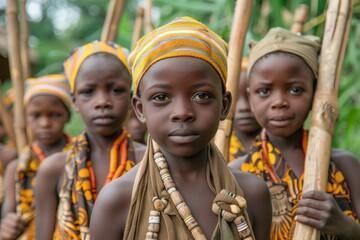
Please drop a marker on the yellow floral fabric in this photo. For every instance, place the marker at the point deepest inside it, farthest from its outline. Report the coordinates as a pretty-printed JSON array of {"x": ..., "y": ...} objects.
[
  {"x": 26, "y": 171},
  {"x": 76, "y": 199},
  {"x": 237, "y": 149},
  {"x": 286, "y": 194}
]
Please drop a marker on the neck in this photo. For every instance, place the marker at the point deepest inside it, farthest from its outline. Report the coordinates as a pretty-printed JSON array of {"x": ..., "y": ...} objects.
[
  {"x": 246, "y": 138},
  {"x": 292, "y": 142},
  {"x": 52, "y": 148},
  {"x": 102, "y": 142}
]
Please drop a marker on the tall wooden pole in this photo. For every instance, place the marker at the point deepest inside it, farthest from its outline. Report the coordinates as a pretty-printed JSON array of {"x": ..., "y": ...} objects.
[
  {"x": 16, "y": 73},
  {"x": 325, "y": 109},
  {"x": 300, "y": 18},
  {"x": 139, "y": 20},
  {"x": 148, "y": 17},
  {"x": 236, "y": 45},
  {"x": 110, "y": 29},
  {"x": 25, "y": 57}
]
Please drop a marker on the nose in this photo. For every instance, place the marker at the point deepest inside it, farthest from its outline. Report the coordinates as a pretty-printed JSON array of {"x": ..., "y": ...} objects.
[
  {"x": 44, "y": 121},
  {"x": 103, "y": 100},
  {"x": 182, "y": 111},
  {"x": 279, "y": 101}
]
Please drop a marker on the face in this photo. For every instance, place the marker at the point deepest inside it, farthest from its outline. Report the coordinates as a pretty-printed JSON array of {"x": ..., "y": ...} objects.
[
  {"x": 102, "y": 94},
  {"x": 182, "y": 101},
  {"x": 46, "y": 117},
  {"x": 136, "y": 128},
  {"x": 244, "y": 121},
  {"x": 281, "y": 90}
]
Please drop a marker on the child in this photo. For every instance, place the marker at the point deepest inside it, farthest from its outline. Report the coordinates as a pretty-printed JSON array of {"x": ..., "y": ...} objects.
[
  {"x": 47, "y": 101},
  {"x": 282, "y": 72},
  {"x": 100, "y": 82},
  {"x": 179, "y": 73},
  {"x": 246, "y": 128},
  {"x": 136, "y": 128}
]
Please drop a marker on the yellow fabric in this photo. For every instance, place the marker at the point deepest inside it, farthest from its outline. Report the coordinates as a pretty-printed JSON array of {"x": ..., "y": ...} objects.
[
  {"x": 73, "y": 63},
  {"x": 236, "y": 149},
  {"x": 25, "y": 183},
  {"x": 76, "y": 200},
  {"x": 148, "y": 184},
  {"x": 282, "y": 40},
  {"x": 179, "y": 38},
  {"x": 55, "y": 85}
]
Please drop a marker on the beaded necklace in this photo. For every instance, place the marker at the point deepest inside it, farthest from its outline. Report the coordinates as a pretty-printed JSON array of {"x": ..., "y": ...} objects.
[
  {"x": 39, "y": 153},
  {"x": 234, "y": 215},
  {"x": 115, "y": 170}
]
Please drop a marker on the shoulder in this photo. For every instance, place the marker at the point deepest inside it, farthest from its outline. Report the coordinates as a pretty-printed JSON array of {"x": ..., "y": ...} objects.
[
  {"x": 236, "y": 164},
  {"x": 346, "y": 162},
  {"x": 7, "y": 154},
  {"x": 11, "y": 169},
  {"x": 53, "y": 164}
]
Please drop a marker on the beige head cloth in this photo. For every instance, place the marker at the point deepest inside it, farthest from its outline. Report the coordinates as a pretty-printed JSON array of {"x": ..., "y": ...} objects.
[{"x": 281, "y": 40}]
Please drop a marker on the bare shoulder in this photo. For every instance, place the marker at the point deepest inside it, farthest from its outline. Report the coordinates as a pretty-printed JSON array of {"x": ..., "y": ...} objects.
[
  {"x": 113, "y": 200},
  {"x": 7, "y": 154},
  {"x": 236, "y": 164},
  {"x": 53, "y": 165},
  {"x": 344, "y": 159}
]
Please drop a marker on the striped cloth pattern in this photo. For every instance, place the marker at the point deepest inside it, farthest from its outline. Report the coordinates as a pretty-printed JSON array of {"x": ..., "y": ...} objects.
[
  {"x": 73, "y": 63},
  {"x": 55, "y": 84},
  {"x": 183, "y": 37}
]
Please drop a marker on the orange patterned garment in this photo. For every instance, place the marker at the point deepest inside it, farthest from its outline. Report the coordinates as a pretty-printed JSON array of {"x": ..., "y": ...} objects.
[
  {"x": 286, "y": 189},
  {"x": 237, "y": 149}
]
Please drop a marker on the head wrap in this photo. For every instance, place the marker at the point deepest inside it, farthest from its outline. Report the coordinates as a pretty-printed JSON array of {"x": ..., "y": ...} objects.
[
  {"x": 281, "y": 40},
  {"x": 183, "y": 37},
  {"x": 9, "y": 99},
  {"x": 73, "y": 63},
  {"x": 55, "y": 85}
]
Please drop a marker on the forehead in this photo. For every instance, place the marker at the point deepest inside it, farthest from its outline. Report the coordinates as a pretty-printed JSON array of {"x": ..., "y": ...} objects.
[{"x": 44, "y": 101}]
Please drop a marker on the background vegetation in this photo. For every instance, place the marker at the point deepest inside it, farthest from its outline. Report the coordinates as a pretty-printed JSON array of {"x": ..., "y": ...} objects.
[{"x": 58, "y": 26}]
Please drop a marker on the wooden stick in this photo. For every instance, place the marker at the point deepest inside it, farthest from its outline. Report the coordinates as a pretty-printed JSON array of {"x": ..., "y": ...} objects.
[
  {"x": 139, "y": 20},
  {"x": 325, "y": 109},
  {"x": 300, "y": 18},
  {"x": 7, "y": 120},
  {"x": 16, "y": 74},
  {"x": 147, "y": 16},
  {"x": 25, "y": 57},
  {"x": 236, "y": 45},
  {"x": 111, "y": 25}
]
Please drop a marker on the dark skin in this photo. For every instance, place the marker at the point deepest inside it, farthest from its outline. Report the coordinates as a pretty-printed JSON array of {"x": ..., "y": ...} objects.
[
  {"x": 102, "y": 97},
  {"x": 281, "y": 90},
  {"x": 186, "y": 96},
  {"x": 136, "y": 128},
  {"x": 46, "y": 117},
  {"x": 246, "y": 127}
]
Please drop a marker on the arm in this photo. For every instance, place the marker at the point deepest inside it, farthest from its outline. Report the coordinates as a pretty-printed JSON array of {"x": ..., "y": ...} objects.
[
  {"x": 113, "y": 200},
  {"x": 320, "y": 210},
  {"x": 258, "y": 201},
  {"x": 46, "y": 194},
  {"x": 11, "y": 224}
]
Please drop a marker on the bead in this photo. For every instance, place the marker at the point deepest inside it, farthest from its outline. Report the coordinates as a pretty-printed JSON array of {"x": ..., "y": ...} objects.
[
  {"x": 154, "y": 213},
  {"x": 188, "y": 219},
  {"x": 171, "y": 190},
  {"x": 241, "y": 201},
  {"x": 242, "y": 226},
  {"x": 157, "y": 155},
  {"x": 169, "y": 183},
  {"x": 163, "y": 171},
  {"x": 193, "y": 224},
  {"x": 151, "y": 235},
  {"x": 184, "y": 211},
  {"x": 234, "y": 209},
  {"x": 178, "y": 207},
  {"x": 165, "y": 176},
  {"x": 231, "y": 194},
  {"x": 154, "y": 227},
  {"x": 198, "y": 234},
  {"x": 176, "y": 198},
  {"x": 159, "y": 205}
]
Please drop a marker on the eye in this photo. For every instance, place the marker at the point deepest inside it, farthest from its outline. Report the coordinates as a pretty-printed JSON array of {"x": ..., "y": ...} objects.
[
  {"x": 86, "y": 91},
  {"x": 201, "y": 96},
  {"x": 296, "y": 91},
  {"x": 55, "y": 115},
  {"x": 161, "y": 98},
  {"x": 34, "y": 115},
  {"x": 118, "y": 90},
  {"x": 263, "y": 92}
]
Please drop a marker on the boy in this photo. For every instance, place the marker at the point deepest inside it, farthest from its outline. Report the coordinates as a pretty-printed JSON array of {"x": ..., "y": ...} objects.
[
  {"x": 100, "y": 82},
  {"x": 282, "y": 78},
  {"x": 47, "y": 102},
  {"x": 179, "y": 73},
  {"x": 246, "y": 128}
]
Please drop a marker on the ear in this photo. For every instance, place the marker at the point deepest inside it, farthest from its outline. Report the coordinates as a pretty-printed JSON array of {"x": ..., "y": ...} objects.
[
  {"x": 138, "y": 108},
  {"x": 226, "y": 102},
  {"x": 74, "y": 104}
]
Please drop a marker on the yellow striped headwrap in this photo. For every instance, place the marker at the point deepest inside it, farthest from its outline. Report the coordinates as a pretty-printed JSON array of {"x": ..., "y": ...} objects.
[
  {"x": 73, "y": 63},
  {"x": 183, "y": 37},
  {"x": 55, "y": 85}
]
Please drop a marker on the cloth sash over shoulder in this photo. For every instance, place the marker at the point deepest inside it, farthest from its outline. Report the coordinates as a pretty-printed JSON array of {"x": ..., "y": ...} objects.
[{"x": 149, "y": 188}]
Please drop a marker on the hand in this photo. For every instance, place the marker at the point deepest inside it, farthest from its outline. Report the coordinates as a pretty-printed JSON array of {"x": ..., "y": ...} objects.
[
  {"x": 11, "y": 226},
  {"x": 320, "y": 210}
]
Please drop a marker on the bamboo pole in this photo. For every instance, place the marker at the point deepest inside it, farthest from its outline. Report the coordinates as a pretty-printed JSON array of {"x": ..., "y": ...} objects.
[
  {"x": 325, "y": 109},
  {"x": 25, "y": 57},
  {"x": 7, "y": 120},
  {"x": 236, "y": 44},
  {"x": 139, "y": 20},
  {"x": 16, "y": 73},
  {"x": 300, "y": 18},
  {"x": 147, "y": 16},
  {"x": 111, "y": 25}
]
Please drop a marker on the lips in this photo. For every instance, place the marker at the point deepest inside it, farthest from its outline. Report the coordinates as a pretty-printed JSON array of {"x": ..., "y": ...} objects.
[
  {"x": 183, "y": 135},
  {"x": 280, "y": 121},
  {"x": 103, "y": 119}
]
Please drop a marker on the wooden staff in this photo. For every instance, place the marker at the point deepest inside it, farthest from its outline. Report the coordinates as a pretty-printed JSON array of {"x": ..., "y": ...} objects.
[
  {"x": 110, "y": 29},
  {"x": 147, "y": 16},
  {"x": 16, "y": 74},
  {"x": 325, "y": 109},
  {"x": 300, "y": 18},
  {"x": 139, "y": 20},
  {"x": 7, "y": 120},
  {"x": 25, "y": 58},
  {"x": 236, "y": 44}
]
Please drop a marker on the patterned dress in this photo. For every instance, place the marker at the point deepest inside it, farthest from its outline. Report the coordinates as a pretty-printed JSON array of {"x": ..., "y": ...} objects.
[
  {"x": 286, "y": 194},
  {"x": 78, "y": 194},
  {"x": 237, "y": 149}
]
